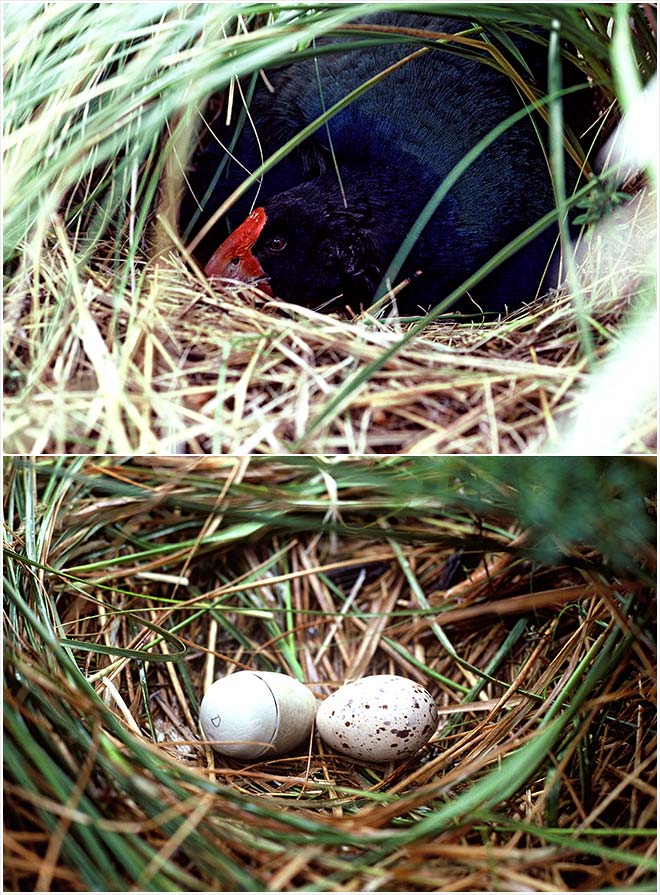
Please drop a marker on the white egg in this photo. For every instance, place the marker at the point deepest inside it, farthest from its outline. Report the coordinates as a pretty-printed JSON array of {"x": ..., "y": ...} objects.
[
  {"x": 378, "y": 718},
  {"x": 253, "y": 713}
]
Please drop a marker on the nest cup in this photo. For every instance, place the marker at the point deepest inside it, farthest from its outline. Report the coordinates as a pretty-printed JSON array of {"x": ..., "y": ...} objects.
[{"x": 546, "y": 667}]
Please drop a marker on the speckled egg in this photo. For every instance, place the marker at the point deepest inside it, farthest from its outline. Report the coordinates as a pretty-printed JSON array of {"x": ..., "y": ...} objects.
[{"x": 378, "y": 718}]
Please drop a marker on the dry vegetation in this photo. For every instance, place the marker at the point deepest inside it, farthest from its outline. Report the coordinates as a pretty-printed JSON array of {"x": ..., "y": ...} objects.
[
  {"x": 180, "y": 368},
  {"x": 541, "y": 776}
]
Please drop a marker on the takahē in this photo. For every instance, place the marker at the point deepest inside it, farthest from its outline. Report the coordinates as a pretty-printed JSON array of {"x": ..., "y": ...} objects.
[{"x": 332, "y": 215}]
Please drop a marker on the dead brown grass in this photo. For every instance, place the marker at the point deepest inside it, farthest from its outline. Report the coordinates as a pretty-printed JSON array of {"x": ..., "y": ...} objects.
[{"x": 175, "y": 367}]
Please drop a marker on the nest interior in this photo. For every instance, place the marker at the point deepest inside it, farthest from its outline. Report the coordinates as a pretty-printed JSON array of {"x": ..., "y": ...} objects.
[{"x": 151, "y": 583}]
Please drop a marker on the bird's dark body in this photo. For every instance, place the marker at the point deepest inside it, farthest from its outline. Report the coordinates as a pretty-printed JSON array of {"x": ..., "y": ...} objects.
[{"x": 393, "y": 147}]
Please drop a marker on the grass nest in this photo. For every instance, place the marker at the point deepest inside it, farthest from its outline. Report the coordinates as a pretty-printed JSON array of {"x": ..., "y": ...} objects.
[
  {"x": 181, "y": 368},
  {"x": 520, "y": 594}
]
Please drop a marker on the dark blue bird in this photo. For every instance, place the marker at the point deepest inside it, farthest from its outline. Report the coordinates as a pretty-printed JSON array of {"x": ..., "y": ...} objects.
[{"x": 337, "y": 209}]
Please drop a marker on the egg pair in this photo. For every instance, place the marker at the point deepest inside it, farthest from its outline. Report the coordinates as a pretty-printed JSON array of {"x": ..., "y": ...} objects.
[{"x": 251, "y": 714}]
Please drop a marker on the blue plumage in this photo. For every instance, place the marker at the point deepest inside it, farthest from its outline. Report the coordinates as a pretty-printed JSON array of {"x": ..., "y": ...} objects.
[{"x": 393, "y": 147}]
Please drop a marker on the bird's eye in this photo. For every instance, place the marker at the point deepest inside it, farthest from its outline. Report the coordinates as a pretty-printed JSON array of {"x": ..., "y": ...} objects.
[{"x": 276, "y": 244}]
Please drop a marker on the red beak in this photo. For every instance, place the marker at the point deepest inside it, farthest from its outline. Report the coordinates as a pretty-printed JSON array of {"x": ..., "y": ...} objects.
[{"x": 234, "y": 259}]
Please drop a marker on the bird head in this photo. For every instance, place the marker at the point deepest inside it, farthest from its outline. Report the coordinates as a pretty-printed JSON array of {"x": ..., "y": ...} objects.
[{"x": 304, "y": 250}]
